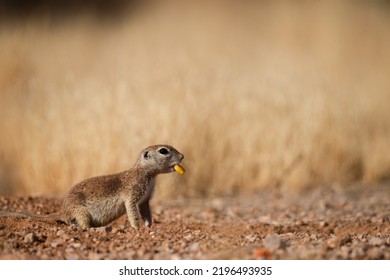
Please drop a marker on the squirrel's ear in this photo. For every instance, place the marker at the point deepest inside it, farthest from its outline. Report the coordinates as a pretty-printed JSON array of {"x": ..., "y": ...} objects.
[{"x": 146, "y": 154}]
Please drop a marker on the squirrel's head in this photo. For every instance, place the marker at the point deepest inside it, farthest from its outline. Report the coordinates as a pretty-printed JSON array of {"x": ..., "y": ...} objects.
[{"x": 161, "y": 159}]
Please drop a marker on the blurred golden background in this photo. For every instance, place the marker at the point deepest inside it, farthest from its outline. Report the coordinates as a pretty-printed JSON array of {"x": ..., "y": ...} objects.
[{"x": 256, "y": 94}]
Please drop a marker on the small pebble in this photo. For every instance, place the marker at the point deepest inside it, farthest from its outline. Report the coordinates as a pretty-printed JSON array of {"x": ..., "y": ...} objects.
[{"x": 273, "y": 242}]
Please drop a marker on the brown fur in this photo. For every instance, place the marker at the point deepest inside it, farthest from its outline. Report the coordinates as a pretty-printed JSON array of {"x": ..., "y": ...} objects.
[{"x": 99, "y": 200}]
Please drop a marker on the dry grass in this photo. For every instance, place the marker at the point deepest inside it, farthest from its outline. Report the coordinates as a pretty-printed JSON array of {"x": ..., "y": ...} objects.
[{"x": 272, "y": 95}]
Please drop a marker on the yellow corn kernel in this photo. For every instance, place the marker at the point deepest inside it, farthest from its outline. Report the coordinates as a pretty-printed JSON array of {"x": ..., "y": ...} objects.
[{"x": 179, "y": 169}]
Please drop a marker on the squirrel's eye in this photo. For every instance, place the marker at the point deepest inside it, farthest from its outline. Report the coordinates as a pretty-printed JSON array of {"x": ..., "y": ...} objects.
[{"x": 163, "y": 151}]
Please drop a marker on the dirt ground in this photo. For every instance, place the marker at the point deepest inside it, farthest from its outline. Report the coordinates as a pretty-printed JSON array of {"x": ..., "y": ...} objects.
[{"x": 326, "y": 223}]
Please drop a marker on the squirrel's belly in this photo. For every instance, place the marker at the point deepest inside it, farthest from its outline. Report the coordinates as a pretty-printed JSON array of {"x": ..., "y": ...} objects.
[{"x": 105, "y": 211}]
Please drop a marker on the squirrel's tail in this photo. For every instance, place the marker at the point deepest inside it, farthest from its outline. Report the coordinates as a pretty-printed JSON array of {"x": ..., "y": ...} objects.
[{"x": 27, "y": 215}]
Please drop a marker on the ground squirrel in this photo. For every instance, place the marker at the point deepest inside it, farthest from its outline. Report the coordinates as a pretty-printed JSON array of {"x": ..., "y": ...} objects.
[{"x": 99, "y": 200}]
